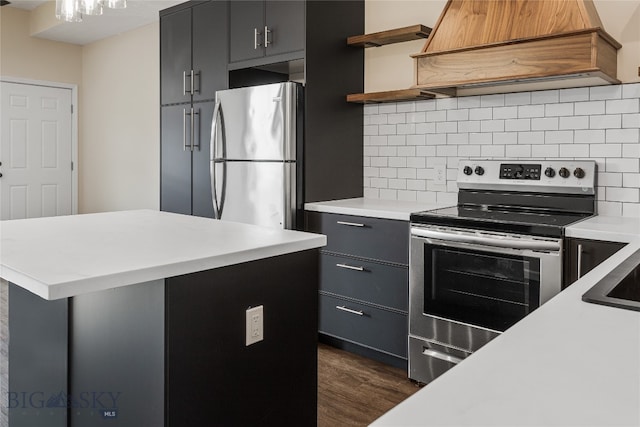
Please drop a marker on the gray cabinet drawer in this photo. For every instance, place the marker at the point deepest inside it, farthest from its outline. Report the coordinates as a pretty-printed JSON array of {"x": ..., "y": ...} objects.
[
  {"x": 368, "y": 281},
  {"x": 376, "y": 238},
  {"x": 368, "y": 326}
]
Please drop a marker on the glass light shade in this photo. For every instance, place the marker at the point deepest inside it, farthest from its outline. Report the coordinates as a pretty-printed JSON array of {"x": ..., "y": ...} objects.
[
  {"x": 116, "y": 4},
  {"x": 68, "y": 10},
  {"x": 91, "y": 7}
]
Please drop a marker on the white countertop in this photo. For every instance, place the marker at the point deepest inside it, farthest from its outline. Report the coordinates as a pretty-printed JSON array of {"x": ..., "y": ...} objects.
[
  {"x": 388, "y": 209},
  {"x": 569, "y": 363},
  {"x": 58, "y": 257},
  {"x": 610, "y": 228}
]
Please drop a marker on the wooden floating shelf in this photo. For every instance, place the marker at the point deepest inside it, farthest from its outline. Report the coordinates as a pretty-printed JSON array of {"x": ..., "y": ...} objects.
[
  {"x": 390, "y": 96},
  {"x": 398, "y": 35}
]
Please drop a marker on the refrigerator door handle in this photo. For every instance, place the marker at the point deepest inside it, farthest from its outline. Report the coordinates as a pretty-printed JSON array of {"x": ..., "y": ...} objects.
[{"x": 218, "y": 205}]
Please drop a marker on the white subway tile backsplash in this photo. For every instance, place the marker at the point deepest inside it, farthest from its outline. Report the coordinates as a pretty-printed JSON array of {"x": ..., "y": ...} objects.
[
  {"x": 469, "y": 126},
  {"x": 631, "y": 150},
  {"x": 406, "y": 128},
  {"x": 480, "y": 138},
  {"x": 624, "y": 106},
  {"x": 446, "y": 127},
  {"x": 518, "y": 151},
  {"x": 517, "y": 125},
  {"x": 480, "y": 113},
  {"x": 403, "y": 142},
  {"x": 446, "y": 103},
  {"x": 605, "y": 92},
  {"x": 457, "y": 115},
  {"x": 631, "y": 90},
  {"x": 609, "y": 179},
  {"x": 631, "y": 121},
  {"x": 545, "y": 96},
  {"x": 529, "y": 111},
  {"x": 623, "y": 135},
  {"x": 574, "y": 94},
  {"x": 548, "y": 151},
  {"x": 519, "y": 98},
  {"x": 589, "y": 108},
  {"x": 505, "y": 112},
  {"x": 436, "y": 116},
  {"x": 386, "y": 129},
  {"x": 617, "y": 194},
  {"x": 491, "y": 151},
  {"x": 492, "y": 126},
  {"x": 607, "y": 121},
  {"x": 396, "y": 118},
  {"x": 546, "y": 123},
  {"x": 492, "y": 100},
  {"x": 605, "y": 150},
  {"x": 387, "y": 108},
  {"x": 574, "y": 122}
]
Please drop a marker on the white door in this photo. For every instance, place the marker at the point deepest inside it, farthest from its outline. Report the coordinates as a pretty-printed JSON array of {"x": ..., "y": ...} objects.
[{"x": 35, "y": 151}]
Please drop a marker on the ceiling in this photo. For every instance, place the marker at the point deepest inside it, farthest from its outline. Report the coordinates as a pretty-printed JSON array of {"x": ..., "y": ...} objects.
[{"x": 113, "y": 21}]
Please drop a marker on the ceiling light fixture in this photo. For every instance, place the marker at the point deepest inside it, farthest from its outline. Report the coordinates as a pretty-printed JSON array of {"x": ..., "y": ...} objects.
[{"x": 73, "y": 10}]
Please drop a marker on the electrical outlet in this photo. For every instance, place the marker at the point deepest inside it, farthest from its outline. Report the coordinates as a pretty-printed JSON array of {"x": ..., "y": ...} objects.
[
  {"x": 254, "y": 325},
  {"x": 440, "y": 174}
]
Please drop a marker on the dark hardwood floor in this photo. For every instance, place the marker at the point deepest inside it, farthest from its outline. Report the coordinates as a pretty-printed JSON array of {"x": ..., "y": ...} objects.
[{"x": 354, "y": 390}]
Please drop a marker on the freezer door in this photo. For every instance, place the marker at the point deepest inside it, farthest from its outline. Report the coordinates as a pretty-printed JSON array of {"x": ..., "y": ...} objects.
[
  {"x": 256, "y": 123},
  {"x": 261, "y": 193}
]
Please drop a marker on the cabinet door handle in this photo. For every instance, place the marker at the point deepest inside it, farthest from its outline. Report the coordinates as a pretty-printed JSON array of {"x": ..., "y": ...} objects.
[
  {"x": 256, "y": 39},
  {"x": 580, "y": 250},
  {"x": 349, "y": 310},
  {"x": 192, "y": 127},
  {"x": 184, "y": 82},
  {"x": 184, "y": 129},
  {"x": 350, "y": 224},
  {"x": 350, "y": 267},
  {"x": 267, "y": 31}
]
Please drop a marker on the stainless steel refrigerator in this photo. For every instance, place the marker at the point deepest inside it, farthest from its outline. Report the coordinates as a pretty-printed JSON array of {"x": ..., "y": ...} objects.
[{"x": 254, "y": 149}]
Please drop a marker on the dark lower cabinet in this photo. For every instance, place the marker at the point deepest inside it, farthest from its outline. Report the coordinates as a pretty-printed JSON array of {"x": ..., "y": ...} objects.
[
  {"x": 364, "y": 285},
  {"x": 583, "y": 255},
  {"x": 171, "y": 352}
]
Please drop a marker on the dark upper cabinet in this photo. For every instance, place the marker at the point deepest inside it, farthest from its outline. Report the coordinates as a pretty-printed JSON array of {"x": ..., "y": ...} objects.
[
  {"x": 193, "y": 52},
  {"x": 175, "y": 56},
  {"x": 583, "y": 255},
  {"x": 266, "y": 28}
]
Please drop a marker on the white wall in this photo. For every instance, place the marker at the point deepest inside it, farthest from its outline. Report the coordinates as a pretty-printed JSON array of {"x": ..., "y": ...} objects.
[{"x": 120, "y": 125}]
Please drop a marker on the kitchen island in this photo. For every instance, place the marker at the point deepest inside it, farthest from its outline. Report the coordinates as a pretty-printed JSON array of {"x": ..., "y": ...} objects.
[
  {"x": 569, "y": 363},
  {"x": 139, "y": 318}
]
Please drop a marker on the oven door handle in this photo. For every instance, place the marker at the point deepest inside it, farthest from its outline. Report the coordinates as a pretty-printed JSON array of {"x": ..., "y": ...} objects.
[{"x": 498, "y": 241}]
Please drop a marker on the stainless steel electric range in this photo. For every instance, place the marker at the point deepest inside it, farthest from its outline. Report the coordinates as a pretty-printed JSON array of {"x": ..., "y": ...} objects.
[{"x": 481, "y": 266}]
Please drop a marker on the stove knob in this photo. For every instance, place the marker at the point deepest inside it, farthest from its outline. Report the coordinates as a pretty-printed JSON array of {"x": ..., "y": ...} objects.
[
  {"x": 578, "y": 173},
  {"x": 467, "y": 170},
  {"x": 564, "y": 172},
  {"x": 479, "y": 170},
  {"x": 519, "y": 173},
  {"x": 549, "y": 172}
]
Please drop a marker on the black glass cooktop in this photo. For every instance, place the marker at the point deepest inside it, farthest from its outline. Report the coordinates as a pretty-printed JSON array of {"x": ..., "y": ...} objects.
[{"x": 519, "y": 221}]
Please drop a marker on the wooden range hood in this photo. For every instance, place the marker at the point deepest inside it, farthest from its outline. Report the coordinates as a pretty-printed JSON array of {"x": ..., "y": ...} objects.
[{"x": 498, "y": 46}]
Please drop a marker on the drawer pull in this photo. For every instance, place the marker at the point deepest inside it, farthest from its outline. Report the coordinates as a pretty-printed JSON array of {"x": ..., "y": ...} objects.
[
  {"x": 348, "y": 310},
  {"x": 441, "y": 356},
  {"x": 350, "y": 224},
  {"x": 350, "y": 267}
]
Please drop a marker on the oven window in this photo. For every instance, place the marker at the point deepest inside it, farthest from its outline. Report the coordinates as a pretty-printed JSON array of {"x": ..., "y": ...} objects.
[{"x": 480, "y": 288}]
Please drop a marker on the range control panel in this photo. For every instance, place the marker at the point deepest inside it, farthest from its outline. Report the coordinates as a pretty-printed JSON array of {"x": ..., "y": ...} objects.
[{"x": 555, "y": 176}]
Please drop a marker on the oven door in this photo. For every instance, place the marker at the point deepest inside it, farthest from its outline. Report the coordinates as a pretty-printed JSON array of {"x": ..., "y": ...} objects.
[{"x": 468, "y": 286}]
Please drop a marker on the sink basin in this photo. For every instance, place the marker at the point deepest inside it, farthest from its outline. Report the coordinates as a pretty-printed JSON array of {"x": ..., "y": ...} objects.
[{"x": 620, "y": 288}]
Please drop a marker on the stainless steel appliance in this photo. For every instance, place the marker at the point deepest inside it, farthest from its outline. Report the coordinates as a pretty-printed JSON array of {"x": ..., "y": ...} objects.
[
  {"x": 481, "y": 266},
  {"x": 254, "y": 149}
]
